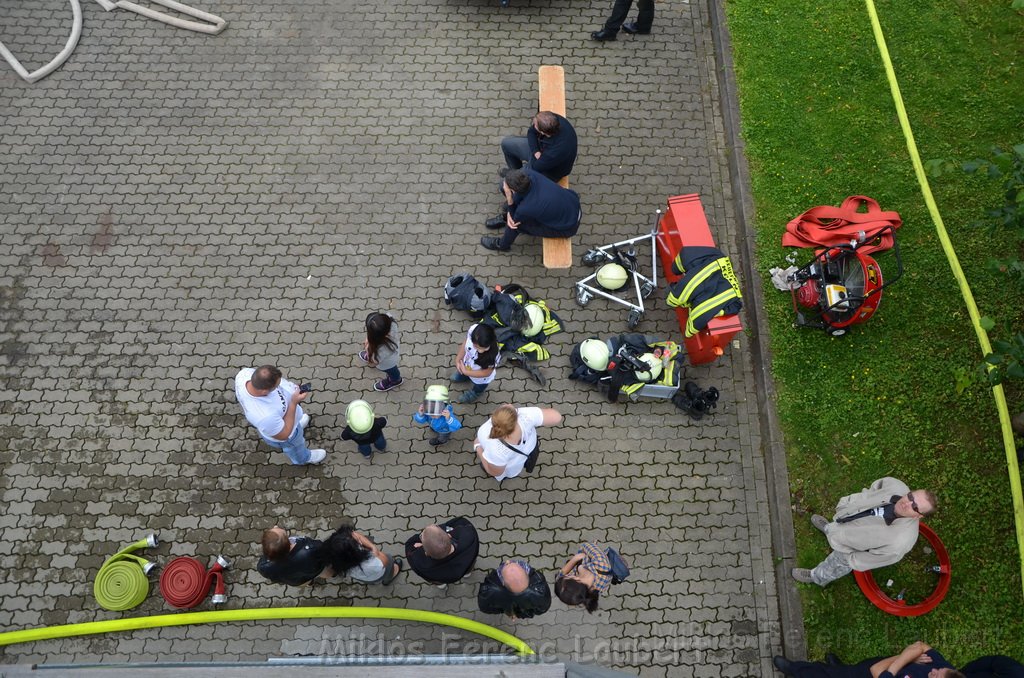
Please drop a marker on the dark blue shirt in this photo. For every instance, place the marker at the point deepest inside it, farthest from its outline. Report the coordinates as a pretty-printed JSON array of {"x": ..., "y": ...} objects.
[
  {"x": 920, "y": 670},
  {"x": 546, "y": 206},
  {"x": 557, "y": 152}
]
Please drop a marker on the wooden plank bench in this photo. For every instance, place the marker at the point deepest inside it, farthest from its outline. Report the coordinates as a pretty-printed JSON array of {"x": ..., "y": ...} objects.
[
  {"x": 551, "y": 86},
  {"x": 684, "y": 224}
]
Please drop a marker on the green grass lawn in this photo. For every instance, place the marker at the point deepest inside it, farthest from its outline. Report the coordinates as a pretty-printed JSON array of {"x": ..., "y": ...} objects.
[{"x": 820, "y": 125}]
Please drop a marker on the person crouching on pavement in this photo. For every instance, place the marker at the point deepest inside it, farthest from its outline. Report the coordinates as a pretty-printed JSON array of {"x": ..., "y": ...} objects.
[
  {"x": 477, "y": 361},
  {"x": 436, "y": 411}
]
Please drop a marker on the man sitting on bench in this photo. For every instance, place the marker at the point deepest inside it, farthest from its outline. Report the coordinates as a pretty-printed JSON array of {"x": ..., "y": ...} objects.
[
  {"x": 549, "y": 147},
  {"x": 536, "y": 206}
]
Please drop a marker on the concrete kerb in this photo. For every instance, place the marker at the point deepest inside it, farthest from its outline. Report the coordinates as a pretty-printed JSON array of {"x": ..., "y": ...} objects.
[{"x": 783, "y": 537}]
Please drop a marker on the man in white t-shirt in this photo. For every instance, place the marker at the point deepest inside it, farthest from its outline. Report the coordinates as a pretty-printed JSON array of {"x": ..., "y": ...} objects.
[
  {"x": 271, "y": 405},
  {"x": 505, "y": 441}
]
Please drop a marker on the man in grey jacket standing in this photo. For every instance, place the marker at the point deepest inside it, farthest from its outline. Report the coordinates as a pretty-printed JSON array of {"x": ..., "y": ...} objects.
[{"x": 872, "y": 528}]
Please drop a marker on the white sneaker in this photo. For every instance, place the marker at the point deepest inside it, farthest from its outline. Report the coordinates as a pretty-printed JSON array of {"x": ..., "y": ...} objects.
[
  {"x": 317, "y": 456},
  {"x": 304, "y": 422}
]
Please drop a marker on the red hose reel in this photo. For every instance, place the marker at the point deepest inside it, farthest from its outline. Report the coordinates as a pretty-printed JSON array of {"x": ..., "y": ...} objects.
[
  {"x": 900, "y": 608},
  {"x": 184, "y": 582}
]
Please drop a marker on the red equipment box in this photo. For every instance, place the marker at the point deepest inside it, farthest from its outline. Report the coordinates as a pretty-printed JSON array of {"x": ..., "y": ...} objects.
[{"x": 684, "y": 225}]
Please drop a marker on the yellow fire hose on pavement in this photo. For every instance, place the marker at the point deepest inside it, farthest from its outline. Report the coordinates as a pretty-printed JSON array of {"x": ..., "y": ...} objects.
[{"x": 273, "y": 613}]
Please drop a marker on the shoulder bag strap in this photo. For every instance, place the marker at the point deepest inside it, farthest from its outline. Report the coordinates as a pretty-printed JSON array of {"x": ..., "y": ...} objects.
[{"x": 513, "y": 448}]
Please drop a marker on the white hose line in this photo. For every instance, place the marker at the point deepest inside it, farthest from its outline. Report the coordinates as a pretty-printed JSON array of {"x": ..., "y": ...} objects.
[
  {"x": 76, "y": 33},
  {"x": 215, "y": 25}
]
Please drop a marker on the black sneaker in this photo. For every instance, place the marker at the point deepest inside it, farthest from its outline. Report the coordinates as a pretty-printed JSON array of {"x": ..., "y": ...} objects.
[
  {"x": 491, "y": 243},
  {"x": 496, "y": 222},
  {"x": 603, "y": 35},
  {"x": 440, "y": 439}
]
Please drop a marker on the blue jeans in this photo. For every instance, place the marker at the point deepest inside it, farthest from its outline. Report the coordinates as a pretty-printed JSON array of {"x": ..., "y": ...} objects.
[
  {"x": 393, "y": 374},
  {"x": 460, "y": 377},
  {"x": 295, "y": 447},
  {"x": 379, "y": 443}
]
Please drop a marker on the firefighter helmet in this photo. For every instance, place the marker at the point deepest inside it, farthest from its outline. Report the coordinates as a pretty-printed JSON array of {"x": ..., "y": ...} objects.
[
  {"x": 535, "y": 320},
  {"x": 360, "y": 416},
  {"x": 653, "y": 368},
  {"x": 435, "y": 400},
  {"x": 612, "y": 276},
  {"x": 595, "y": 354}
]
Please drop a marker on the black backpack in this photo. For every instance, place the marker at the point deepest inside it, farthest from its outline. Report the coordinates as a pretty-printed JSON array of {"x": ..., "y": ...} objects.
[
  {"x": 466, "y": 293},
  {"x": 509, "y": 308}
]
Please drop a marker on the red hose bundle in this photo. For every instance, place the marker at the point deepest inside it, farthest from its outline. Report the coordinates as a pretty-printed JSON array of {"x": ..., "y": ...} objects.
[
  {"x": 825, "y": 226},
  {"x": 184, "y": 582}
]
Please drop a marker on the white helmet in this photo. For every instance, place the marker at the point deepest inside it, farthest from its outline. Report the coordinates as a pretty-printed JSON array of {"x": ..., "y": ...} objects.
[
  {"x": 435, "y": 400},
  {"x": 612, "y": 276},
  {"x": 360, "y": 416},
  {"x": 653, "y": 368},
  {"x": 595, "y": 354},
  {"x": 535, "y": 315}
]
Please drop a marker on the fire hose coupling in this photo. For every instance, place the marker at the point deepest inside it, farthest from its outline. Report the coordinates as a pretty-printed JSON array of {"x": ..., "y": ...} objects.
[
  {"x": 184, "y": 582},
  {"x": 121, "y": 583}
]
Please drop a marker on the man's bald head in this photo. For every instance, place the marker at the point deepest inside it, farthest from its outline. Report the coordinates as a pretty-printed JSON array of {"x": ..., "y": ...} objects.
[{"x": 515, "y": 577}]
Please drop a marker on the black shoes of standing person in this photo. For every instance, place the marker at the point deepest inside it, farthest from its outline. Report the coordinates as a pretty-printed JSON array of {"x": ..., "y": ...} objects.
[
  {"x": 782, "y": 664},
  {"x": 632, "y": 28},
  {"x": 603, "y": 35}
]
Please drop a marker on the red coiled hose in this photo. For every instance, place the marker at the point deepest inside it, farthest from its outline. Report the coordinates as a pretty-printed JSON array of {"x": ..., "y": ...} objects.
[{"x": 184, "y": 582}]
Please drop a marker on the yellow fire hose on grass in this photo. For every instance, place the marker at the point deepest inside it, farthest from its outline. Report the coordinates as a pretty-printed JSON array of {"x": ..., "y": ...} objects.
[{"x": 1013, "y": 469}]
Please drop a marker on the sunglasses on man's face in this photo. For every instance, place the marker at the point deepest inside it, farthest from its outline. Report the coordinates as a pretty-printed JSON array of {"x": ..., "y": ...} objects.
[{"x": 913, "y": 504}]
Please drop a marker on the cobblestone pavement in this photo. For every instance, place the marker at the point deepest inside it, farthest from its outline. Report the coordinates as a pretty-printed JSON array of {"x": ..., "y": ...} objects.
[{"x": 176, "y": 206}]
